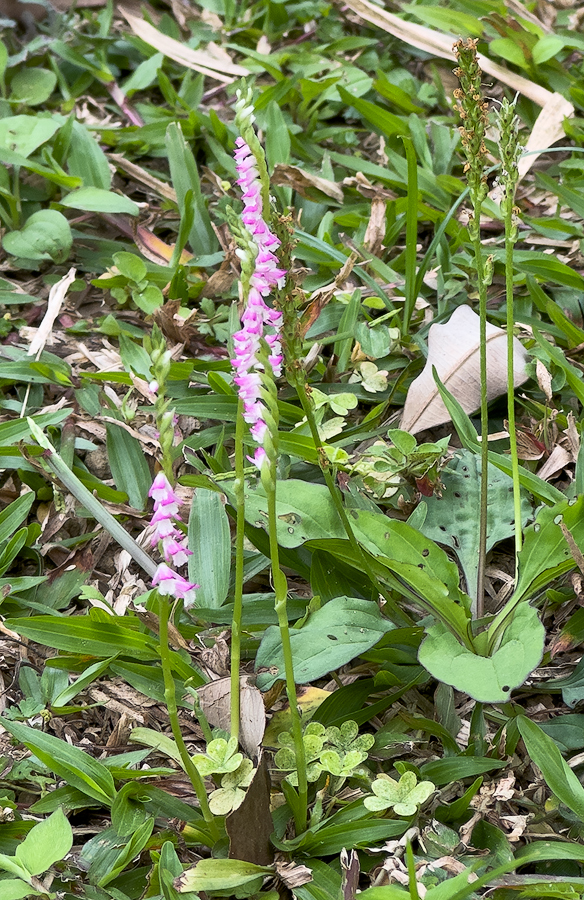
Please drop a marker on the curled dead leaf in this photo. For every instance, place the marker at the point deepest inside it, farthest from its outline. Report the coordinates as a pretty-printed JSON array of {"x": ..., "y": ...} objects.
[
  {"x": 306, "y": 184},
  {"x": 453, "y": 350}
]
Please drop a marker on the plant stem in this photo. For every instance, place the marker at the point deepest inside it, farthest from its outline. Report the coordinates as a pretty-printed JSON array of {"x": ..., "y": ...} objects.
[
  {"x": 281, "y": 592},
  {"x": 484, "y": 420},
  {"x": 391, "y": 607},
  {"x": 509, "y": 242},
  {"x": 69, "y": 480},
  {"x": 239, "y": 490},
  {"x": 195, "y": 777}
]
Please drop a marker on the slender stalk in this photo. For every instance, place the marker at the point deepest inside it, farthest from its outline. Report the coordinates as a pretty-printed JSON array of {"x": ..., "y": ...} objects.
[
  {"x": 392, "y": 608},
  {"x": 239, "y": 490},
  {"x": 484, "y": 422},
  {"x": 509, "y": 243},
  {"x": 510, "y": 150},
  {"x": 281, "y": 592},
  {"x": 195, "y": 777},
  {"x": 473, "y": 112},
  {"x": 69, "y": 480},
  {"x": 411, "y": 234}
]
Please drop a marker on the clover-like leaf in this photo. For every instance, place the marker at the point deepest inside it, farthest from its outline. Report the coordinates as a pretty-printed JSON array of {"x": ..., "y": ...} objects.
[
  {"x": 341, "y": 765},
  {"x": 285, "y": 758},
  {"x": 372, "y": 378},
  {"x": 221, "y": 757},
  {"x": 231, "y": 794},
  {"x": 404, "y": 796}
]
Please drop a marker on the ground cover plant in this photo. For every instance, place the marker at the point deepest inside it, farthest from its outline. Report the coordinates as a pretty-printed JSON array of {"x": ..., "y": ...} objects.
[{"x": 277, "y": 618}]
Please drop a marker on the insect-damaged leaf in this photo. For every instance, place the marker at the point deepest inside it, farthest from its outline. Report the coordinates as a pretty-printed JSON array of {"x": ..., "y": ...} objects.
[{"x": 332, "y": 637}]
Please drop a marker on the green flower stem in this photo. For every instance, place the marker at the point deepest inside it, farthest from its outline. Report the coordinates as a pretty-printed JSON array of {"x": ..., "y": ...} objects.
[
  {"x": 473, "y": 112},
  {"x": 510, "y": 151},
  {"x": 509, "y": 243},
  {"x": 70, "y": 481},
  {"x": 281, "y": 592},
  {"x": 392, "y": 609},
  {"x": 239, "y": 490},
  {"x": 482, "y": 286},
  {"x": 195, "y": 777}
]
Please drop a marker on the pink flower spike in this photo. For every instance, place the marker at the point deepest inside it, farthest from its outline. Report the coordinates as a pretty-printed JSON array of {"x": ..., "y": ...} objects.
[
  {"x": 175, "y": 551},
  {"x": 171, "y": 584},
  {"x": 259, "y": 458},
  {"x": 162, "y": 492}
]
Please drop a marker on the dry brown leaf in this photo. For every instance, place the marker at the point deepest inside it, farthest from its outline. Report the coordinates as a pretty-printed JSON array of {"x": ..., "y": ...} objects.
[
  {"x": 306, "y": 184},
  {"x": 143, "y": 177},
  {"x": 453, "y": 349},
  {"x": 557, "y": 461},
  {"x": 215, "y": 703},
  {"x": 57, "y": 296},
  {"x": 375, "y": 232},
  {"x": 548, "y": 128},
  {"x": 217, "y": 66},
  {"x": 250, "y": 825}
]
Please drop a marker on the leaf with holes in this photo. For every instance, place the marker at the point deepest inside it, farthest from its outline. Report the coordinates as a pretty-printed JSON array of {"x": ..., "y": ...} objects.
[
  {"x": 452, "y": 518},
  {"x": 332, "y": 637},
  {"x": 486, "y": 679},
  {"x": 304, "y": 512}
]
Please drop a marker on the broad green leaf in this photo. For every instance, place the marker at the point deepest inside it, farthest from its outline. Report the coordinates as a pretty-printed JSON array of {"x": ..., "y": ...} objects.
[
  {"x": 416, "y": 559},
  {"x": 14, "y": 514},
  {"x": 452, "y": 519},
  {"x": 89, "y": 675},
  {"x": 389, "y": 124},
  {"x": 32, "y": 86},
  {"x": 304, "y": 511},
  {"x": 330, "y": 840},
  {"x": 132, "y": 849},
  {"x": 210, "y": 540},
  {"x": 157, "y": 741},
  {"x": 24, "y": 134},
  {"x": 46, "y": 235},
  {"x": 15, "y": 889},
  {"x": 486, "y": 679},
  {"x": 93, "y": 199},
  {"x": 510, "y": 50},
  {"x": 333, "y": 636},
  {"x": 219, "y": 875},
  {"x": 12, "y": 865},
  {"x": 547, "y": 47},
  {"x": 88, "y": 635},
  {"x": 87, "y": 160},
  {"x": 558, "y": 775},
  {"x": 128, "y": 464},
  {"x": 452, "y": 768},
  {"x": 185, "y": 177},
  {"x": 545, "y": 553},
  {"x": 75, "y": 766},
  {"x": 48, "y": 842}
]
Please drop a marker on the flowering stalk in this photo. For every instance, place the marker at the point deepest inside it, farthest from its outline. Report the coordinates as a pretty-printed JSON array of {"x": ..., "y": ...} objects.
[
  {"x": 170, "y": 585},
  {"x": 510, "y": 150},
  {"x": 257, "y": 361},
  {"x": 473, "y": 112}
]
